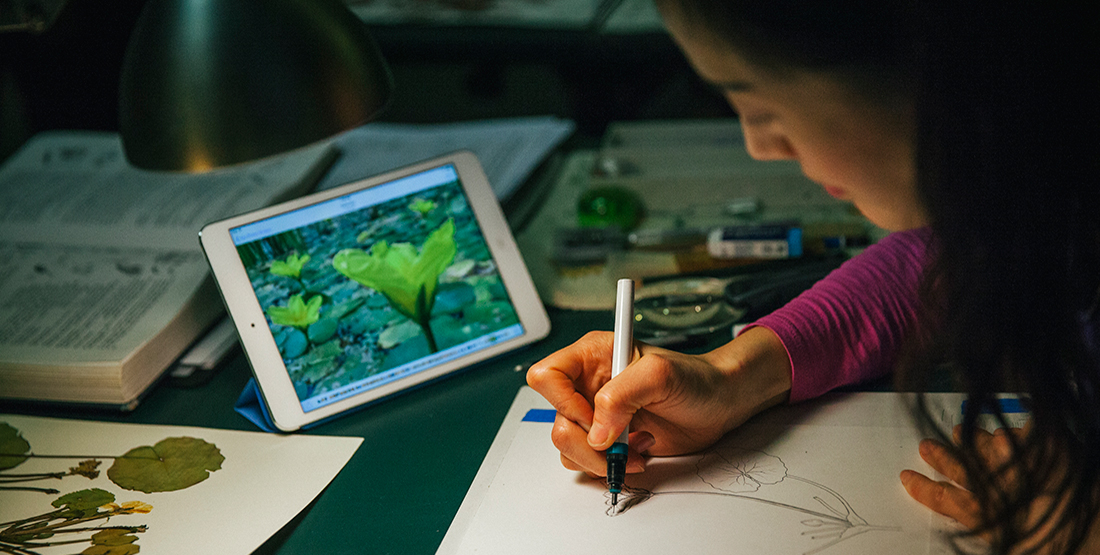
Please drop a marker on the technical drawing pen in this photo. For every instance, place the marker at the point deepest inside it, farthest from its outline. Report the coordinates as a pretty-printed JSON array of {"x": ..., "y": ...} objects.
[{"x": 621, "y": 351}]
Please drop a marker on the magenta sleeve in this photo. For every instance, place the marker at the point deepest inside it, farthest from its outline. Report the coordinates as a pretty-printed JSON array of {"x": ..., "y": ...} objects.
[{"x": 850, "y": 326}]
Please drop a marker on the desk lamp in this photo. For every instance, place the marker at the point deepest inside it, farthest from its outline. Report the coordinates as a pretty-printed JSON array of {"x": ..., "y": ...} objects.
[{"x": 210, "y": 83}]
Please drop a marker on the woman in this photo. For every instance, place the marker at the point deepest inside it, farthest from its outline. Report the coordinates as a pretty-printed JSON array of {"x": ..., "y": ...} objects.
[{"x": 964, "y": 131}]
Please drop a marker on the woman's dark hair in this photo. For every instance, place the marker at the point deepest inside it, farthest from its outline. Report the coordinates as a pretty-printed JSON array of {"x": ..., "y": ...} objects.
[
  {"x": 1007, "y": 159},
  {"x": 866, "y": 43},
  {"x": 1007, "y": 155}
]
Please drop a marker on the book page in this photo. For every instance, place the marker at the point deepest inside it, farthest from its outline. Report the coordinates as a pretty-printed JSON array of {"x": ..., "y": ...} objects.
[
  {"x": 77, "y": 188},
  {"x": 815, "y": 478},
  {"x": 103, "y": 282},
  {"x": 85, "y": 304}
]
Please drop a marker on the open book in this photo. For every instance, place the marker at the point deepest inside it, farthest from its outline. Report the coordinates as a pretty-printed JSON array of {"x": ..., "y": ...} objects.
[{"x": 102, "y": 281}]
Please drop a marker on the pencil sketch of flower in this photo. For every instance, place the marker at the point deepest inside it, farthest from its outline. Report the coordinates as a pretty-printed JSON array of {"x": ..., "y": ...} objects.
[
  {"x": 740, "y": 470},
  {"x": 406, "y": 276},
  {"x": 296, "y": 313},
  {"x": 748, "y": 475},
  {"x": 628, "y": 497}
]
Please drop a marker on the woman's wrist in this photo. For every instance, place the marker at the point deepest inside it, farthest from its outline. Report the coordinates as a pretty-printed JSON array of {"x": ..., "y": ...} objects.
[{"x": 759, "y": 371}]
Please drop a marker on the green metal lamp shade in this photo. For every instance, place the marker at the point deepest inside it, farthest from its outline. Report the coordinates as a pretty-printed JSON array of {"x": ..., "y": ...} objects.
[{"x": 209, "y": 83}]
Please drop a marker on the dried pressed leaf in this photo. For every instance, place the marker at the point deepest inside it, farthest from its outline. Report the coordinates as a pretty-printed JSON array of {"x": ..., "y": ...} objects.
[
  {"x": 84, "y": 499},
  {"x": 172, "y": 464},
  {"x": 12, "y": 447}
]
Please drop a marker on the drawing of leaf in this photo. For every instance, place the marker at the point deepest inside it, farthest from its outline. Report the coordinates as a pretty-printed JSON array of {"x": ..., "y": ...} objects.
[
  {"x": 84, "y": 499},
  {"x": 172, "y": 464},
  {"x": 740, "y": 470},
  {"x": 830, "y": 508},
  {"x": 12, "y": 447}
]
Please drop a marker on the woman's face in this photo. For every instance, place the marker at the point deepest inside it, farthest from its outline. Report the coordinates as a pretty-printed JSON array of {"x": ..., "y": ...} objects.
[{"x": 858, "y": 151}]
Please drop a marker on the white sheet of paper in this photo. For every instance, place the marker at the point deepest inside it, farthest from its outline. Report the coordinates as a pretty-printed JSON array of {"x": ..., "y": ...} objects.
[
  {"x": 509, "y": 149},
  {"x": 814, "y": 478},
  {"x": 264, "y": 481}
]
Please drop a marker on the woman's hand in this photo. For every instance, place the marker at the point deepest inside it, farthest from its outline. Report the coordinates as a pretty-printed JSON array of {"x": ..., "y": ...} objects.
[
  {"x": 954, "y": 500},
  {"x": 674, "y": 403}
]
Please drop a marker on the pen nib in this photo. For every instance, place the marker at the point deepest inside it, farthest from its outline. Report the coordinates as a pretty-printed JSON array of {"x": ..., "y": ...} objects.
[{"x": 614, "y": 499}]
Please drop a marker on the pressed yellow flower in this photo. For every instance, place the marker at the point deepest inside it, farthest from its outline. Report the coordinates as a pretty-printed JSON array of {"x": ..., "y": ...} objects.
[{"x": 131, "y": 507}]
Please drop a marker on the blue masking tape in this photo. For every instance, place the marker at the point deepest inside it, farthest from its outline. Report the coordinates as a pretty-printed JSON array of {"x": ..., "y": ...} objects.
[
  {"x": 1008, "y": 406},
  {"x": 540, "y": 415}
]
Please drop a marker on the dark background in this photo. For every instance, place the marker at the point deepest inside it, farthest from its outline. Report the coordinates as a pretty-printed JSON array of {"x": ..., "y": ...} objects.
[{"x": 67, "y": 76}]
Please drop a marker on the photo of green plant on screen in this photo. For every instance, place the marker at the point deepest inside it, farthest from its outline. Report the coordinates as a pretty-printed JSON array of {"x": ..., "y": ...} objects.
[{"x": 353, "y": 296}]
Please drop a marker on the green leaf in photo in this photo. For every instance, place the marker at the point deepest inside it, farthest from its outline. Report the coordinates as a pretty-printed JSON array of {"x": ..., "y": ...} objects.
[
  {"x": 322, "y": 330},
  {"x": 291, "y": 267},
  {"x": 459, "y": 270},
  {"x": 402, "y": 273},
  {"x": 453, "y": 297},
  {"x": 172, "y": 464},
  {"x": 421, "y": 206},
  {"x": 297, "y": 313},
  {"x": 398, "y": 334},
  {"x": 292, "y": 343}
]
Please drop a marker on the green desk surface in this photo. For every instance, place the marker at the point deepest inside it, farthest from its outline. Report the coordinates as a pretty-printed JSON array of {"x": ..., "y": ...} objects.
[{"x": 422, "y": 449}]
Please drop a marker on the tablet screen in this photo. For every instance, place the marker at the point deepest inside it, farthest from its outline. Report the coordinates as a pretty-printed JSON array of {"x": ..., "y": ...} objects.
[{"x": 376, "y": 285}]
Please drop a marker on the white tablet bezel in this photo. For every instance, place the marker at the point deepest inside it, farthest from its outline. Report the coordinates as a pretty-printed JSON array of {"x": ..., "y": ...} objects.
[{"x": 256, "y": 338}]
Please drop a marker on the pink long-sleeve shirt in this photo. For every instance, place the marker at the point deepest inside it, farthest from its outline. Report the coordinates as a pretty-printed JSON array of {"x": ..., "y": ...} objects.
[{"x": 850, "y": 326}]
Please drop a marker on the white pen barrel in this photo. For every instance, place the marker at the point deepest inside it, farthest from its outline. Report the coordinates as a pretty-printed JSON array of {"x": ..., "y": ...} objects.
[{"x": 622, "y": 349}]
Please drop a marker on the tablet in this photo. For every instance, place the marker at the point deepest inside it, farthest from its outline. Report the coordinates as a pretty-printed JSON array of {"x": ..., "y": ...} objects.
[{"x": 356, "y": 293}]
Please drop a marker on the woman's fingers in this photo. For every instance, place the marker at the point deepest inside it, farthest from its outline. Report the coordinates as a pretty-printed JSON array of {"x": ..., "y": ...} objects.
[
  {"x": 942, "y": 497},
  {"x": 953, "y": 499},
  {"x": 939, "y": 457},
  {"x": 946, "y": 498},
  {"x": 643, "y": 383},
  {"x": 569, "y": 438},
  {"x": 568, "y": 378}
]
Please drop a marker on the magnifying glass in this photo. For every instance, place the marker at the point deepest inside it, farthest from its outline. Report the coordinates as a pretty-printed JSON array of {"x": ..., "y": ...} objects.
[
  {"x": 691, "y": 311},
  {"x": 684, "y": 311}
]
